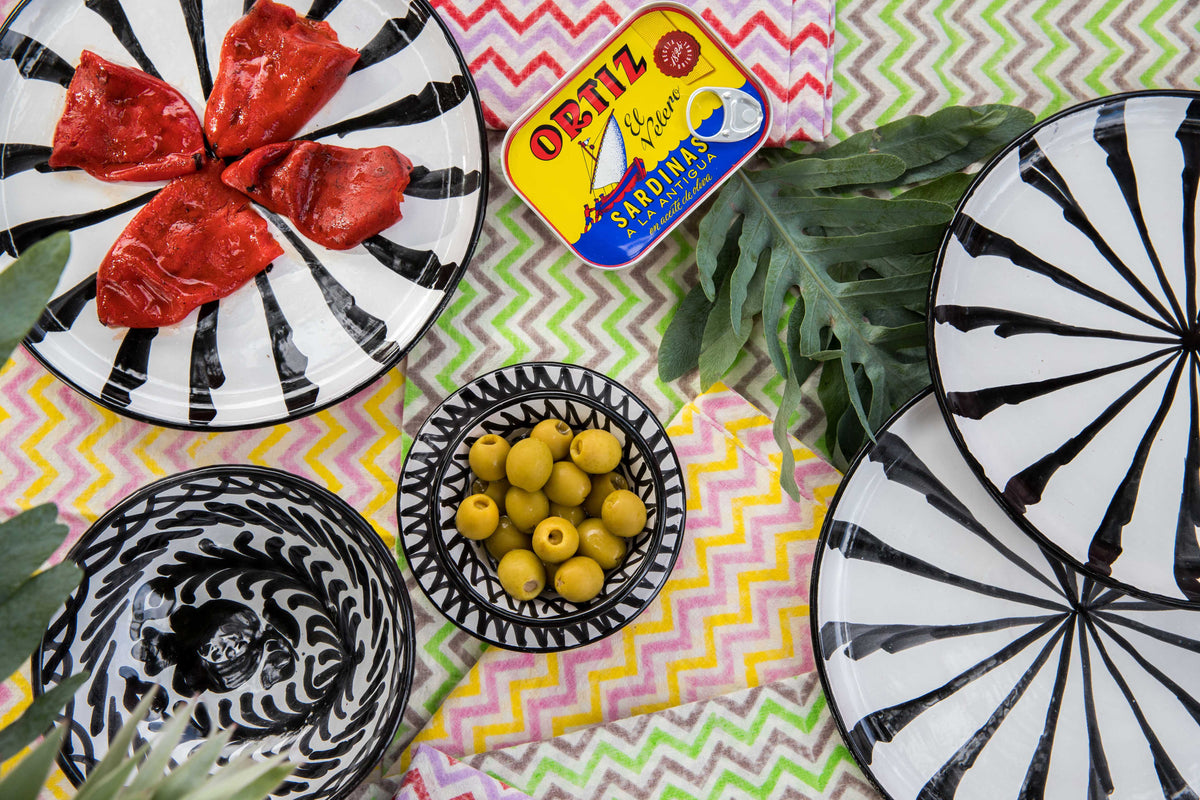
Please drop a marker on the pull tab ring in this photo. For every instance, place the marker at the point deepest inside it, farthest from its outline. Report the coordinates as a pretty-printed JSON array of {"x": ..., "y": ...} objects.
[{"x": 743, "y": 114}]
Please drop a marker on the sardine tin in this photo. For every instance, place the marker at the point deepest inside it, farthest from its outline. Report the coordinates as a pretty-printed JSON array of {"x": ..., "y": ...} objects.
[{"x": 606, "y": 159}]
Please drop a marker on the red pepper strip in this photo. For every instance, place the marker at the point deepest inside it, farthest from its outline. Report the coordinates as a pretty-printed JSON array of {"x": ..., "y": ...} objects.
[
  {"x": 196, "y": 241},
  {"x": 121, "y": 124},
  {"x": 336, "y": 196},
  {"x": 277, "y": 70}
]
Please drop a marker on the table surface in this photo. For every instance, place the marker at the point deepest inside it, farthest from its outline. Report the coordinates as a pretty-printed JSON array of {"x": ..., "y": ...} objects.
[{"x": 525, "y": 297}]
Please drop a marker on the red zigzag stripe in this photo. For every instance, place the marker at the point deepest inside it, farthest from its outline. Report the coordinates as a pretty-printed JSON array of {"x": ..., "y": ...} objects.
[
  {"x": 761, "y": 20},
  {"x": 521, "y": 25}
]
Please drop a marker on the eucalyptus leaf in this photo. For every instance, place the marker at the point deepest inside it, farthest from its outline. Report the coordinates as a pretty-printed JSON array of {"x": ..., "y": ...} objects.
[
  {"x": 27, "y": 541},
  {"x": 25, "y": 780},
  {"x": 38, "y": 717},
  {"x": 27, "y": 285},
  {"x": 27, "y": 612}
]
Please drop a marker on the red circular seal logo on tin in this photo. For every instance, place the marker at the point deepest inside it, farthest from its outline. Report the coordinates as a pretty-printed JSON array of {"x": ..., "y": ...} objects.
[{"x": 677, "y": 53}]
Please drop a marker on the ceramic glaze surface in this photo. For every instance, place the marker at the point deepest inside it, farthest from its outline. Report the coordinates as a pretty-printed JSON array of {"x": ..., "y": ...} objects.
[
  {"x": 317, "y": 325},
  {"x": 962, "y": 660},
  {"x": 257, "y": 592},
  {"x": 1064, "y": 336},
  {"x": 459, "y": 576}
]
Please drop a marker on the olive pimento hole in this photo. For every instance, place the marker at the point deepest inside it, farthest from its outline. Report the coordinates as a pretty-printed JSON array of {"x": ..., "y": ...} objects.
[
  {"x": 563, "y": 428},
  {"x": 481, "y": 504},
  {"x": 555, "y": 536}
]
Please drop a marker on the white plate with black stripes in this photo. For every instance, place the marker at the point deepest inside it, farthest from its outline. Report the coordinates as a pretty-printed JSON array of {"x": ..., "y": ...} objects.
[
  {"x": 962, "y": 660},
  {"x": 318, "y": 325},
  {"x": 1065, "y": 337}
]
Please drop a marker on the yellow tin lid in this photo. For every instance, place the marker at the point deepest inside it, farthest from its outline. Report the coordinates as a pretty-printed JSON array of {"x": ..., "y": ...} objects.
[{"x": 625, "y": 145}]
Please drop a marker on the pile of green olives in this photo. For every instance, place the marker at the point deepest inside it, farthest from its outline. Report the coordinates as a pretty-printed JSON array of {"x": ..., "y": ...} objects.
[{"x": 552, "y": 509}]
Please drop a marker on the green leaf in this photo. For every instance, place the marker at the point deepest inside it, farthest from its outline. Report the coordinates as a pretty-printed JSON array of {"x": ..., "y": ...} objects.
[
  {"x": 26, "y": 779},
  {"x": 679, "y": 352},
  {"x": 947, "y": 189},
  {"x": 242, "y": 779},
  {"x": 194, "y": 769},
  {"x": 27, "y": 612},
  {"x": 26, "y": 286},
  {"x": 118, "y": 749},
  {"x": 27, "y": 541},
  {"x": 38, "y": 718},
  {"x": 151, "y": 771},
  {"x": 728, "y": 327}
]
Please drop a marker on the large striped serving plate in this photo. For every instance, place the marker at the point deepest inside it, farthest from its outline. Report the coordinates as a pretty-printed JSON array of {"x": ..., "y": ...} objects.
[
  {"x": 318, "y": 325},
  {"x": 962, "y": 660},
  {"x": 1065, "y": 337}
]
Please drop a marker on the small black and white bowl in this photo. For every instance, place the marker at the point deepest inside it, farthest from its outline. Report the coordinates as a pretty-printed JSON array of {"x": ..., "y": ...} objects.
[
  {"x": 459, "y": 576},
  {"x": 265, "y": 598}
]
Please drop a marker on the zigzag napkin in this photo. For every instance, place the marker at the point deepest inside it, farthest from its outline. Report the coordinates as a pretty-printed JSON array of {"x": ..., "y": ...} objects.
[
  {"x": 518, "y": 49},
  {"x": 772, "y": 742},
  {"x": 733, "y": 614},
  {"x": 437, "y": 776}
]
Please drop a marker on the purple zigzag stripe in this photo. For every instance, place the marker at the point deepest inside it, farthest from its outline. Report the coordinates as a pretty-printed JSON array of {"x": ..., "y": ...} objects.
[{"x": 465, "y": 782}]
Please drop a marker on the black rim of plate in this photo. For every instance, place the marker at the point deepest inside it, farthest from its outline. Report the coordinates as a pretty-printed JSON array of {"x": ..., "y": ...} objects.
[
  {"x": 822, "y": 545},
  {"x": 402, "y": 351},
  {"x": 939, "y": 389},
  {"x": 361, "y": 531},
  {"x": 418, "y": 517}
]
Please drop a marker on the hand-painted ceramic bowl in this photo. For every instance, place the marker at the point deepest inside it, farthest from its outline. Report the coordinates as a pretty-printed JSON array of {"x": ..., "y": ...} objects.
[
  {"x": 262, "y": 595},
  {"x": 458, "y": 574}
]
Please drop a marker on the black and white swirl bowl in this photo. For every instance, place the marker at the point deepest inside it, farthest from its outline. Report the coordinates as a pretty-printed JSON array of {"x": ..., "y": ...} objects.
[
  {"x": 459, "y": 576},
  {"x": 258, "y": 593},
  {"x": 319, "y": 324},
  {"x": 961, "y": 660},
  {"x": 1064, "y": 337}
]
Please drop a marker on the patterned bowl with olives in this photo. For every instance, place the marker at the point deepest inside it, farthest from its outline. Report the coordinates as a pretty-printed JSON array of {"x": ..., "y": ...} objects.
[{"x": 460, "y": 575}]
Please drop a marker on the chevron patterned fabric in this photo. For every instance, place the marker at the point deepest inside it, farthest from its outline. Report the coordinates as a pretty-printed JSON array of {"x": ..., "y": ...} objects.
[
  {"x": 733, "y": 614},
  {"x": 436, "y": 776},
  {"x": 777, "y": 741},
  {"x": 524, "y": 297},
  {"x": 518, "y": 50}
]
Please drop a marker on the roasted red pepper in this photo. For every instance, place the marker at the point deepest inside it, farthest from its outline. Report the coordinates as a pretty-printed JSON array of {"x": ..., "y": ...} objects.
[
  {"x": 121, "y": 124},
  {"x": 196, "y": 241},
  {"x": 336, "y": 196},
  {"x": 277, "y": 70}
]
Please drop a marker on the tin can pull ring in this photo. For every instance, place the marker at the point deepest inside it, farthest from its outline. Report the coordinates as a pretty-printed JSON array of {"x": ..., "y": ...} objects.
[{"x": 743, "y": 114}]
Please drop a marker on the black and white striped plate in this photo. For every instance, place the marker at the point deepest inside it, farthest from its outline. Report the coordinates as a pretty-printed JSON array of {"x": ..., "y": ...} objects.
[
  {"x": 1064, "y": 337},
  {"x": 961, "y": 660},
  {"x": 318, "y": 325}
]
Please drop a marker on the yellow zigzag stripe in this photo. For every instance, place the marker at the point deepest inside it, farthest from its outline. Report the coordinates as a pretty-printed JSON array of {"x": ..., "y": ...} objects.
[
  {"x": 53, "y": 419},
  {"x": 83, "y": 504},
  {"x": 143, "y": 449},
  {"x": 516, "y": 689},
  {"x": 333, "y": 430},
  {"x": 389, "y": 437}
]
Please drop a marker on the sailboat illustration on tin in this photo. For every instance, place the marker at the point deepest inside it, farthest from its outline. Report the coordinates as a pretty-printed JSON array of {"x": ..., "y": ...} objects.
[{"x": 613, "y": 175}]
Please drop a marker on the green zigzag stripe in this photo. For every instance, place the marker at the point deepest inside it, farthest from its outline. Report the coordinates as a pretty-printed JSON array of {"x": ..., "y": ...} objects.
[
  {"x": 907, "y": 41},
  {"x": 992, "y": 67},
  {"x": 522, "y": 295},
  {"x": 1093, "y": 26},
  {"x": 569, "y": 311},
  {"x": 1149, "y": 26},
  {"x": 957, "y": 42},
  {"x": 693, "y": 746}
]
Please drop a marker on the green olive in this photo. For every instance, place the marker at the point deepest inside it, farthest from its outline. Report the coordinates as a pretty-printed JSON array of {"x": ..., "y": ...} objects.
[
  {"x": 573, "y": 514},
  {"x": 555, "y": 540},
  {"x": 624, "y": 513},
  {"x": 602, "y": 487},
  {"x": 596, "y": 451},
  {"x": 526, "y": 509},
  {"x": 529, "y": 464},
  {"x": 477, "y": 517},
  {"x": 568, "y": 484},
  {"x": 506, "y": 537},
  {"x": 493, "y": 489},
  {"x": 556, "y": 434},
  {"x": 598, "y": 544},
  {"x": 579, "y": 579},
  {"x": 487, "y": 457},
  {"x": 521, "y": 574}
]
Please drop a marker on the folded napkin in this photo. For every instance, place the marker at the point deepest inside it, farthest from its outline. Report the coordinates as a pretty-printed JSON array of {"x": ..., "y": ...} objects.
[
  {"x": 518, "y": 49},
  {"x": 772, "y": 742},
  {"x": 437, "y": 776},
  {"x": 733, "y": 614}
]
